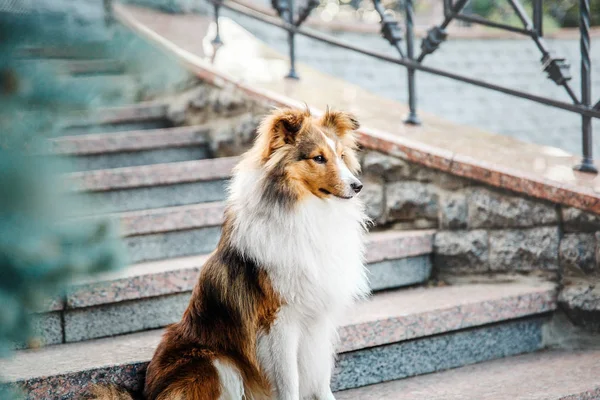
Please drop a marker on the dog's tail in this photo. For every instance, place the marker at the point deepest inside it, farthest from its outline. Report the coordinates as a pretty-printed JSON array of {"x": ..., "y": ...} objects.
[{"x": 108, "y": 392}]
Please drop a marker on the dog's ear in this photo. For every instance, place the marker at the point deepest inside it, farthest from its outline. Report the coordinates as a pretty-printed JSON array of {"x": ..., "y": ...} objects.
[
  {"x": 341, "y": 122},
  {"x": 282, "y": 127}
]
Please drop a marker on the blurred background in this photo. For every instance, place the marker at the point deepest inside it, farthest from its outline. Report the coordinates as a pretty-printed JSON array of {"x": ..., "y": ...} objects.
[{"x": 114, "y": 154}]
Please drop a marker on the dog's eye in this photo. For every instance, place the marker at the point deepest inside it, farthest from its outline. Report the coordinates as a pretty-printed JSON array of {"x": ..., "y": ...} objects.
[{"x": 319, "y": 159}]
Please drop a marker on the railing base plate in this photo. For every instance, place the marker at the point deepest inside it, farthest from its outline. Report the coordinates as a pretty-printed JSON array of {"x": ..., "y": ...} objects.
[
  {"x": 586, "y": 166},
  {"x": 412, "y": 119}
]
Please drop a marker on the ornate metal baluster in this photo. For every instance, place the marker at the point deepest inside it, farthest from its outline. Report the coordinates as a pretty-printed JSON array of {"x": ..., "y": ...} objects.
[
  {"x": 447, "y": 7},
  {"x": 217, "y": 40},
  {"x": 437, "y": 34},
  {"x": 521, "y": 14},
  {"x": 587, "y": 164},
  {"x": 390, "y": 29},
  {"x": 556, "y": 68},
  {"x": 291, "y": 42},
  {"x": 412, "y": 118},
  {"x": 538, "y": 17},
  {"x": 285, "y": 10},
  {"x": 108, "y": 12},
  {"x": 305, "y": 11}
]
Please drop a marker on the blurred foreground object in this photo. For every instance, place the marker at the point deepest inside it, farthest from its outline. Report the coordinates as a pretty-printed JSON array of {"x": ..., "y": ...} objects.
[{"x": 41, "y": 250}]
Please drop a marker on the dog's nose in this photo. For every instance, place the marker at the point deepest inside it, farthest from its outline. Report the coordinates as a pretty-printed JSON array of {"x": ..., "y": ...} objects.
[{"x": 356, "y": 186}]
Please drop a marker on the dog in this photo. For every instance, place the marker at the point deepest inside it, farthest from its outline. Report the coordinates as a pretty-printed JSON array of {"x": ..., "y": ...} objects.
[{"x": 262, "y": 319}]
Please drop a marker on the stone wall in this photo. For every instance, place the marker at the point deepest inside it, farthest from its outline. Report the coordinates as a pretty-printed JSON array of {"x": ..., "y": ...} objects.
[
  {"x": 485, "y": 230},
  {"x": 231, "y": 116},
  {"x": 480, "y": 229}
]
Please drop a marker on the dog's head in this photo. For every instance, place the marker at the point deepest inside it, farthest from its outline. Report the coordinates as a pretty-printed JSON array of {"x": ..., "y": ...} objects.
[{"x": 314, "y": 156}]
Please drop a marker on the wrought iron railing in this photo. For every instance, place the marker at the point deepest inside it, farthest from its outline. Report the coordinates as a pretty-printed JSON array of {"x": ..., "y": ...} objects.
[{"x": 557, "y": 68}]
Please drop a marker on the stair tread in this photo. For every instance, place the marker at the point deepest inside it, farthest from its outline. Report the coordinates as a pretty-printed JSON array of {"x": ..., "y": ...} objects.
[
  {"x": 103, "y": 143},
  {"x": 545, "y": 375},
  {"x": 383, "y": 319},
  {"x": 154, "y": 174},
  {"x": 176, "y": 275},
  {"x": 89, "y": 51},
  {"x": 200, "y": 215},
  {"x": 167, "y": 219},
  {"x": 100, "y": 66},
  {"x": 150, "y": 110}
]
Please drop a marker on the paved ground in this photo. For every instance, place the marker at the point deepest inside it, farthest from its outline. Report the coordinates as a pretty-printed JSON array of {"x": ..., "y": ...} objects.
[{"x": 513, "y": 63}]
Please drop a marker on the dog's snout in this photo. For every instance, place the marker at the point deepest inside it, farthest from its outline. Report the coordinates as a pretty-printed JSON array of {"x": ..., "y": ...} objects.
[{"x": 356, "y": 186}]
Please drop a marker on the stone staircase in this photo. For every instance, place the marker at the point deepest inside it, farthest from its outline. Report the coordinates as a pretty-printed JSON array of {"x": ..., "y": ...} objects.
[
  {"x": 162, "y": 171},
  {"x": 166, "y": 187},
  {"x": 546, "y": 375}
]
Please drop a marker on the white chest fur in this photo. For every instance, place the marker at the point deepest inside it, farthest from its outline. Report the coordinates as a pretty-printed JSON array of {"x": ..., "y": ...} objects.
[{"x": 314, "y": 254}]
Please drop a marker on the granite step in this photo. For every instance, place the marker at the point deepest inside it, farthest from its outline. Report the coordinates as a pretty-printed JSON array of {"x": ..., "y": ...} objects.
[
  {"x": 545, "y": 375},
  {"x": 154, "y": 294},
  {"x": 134, "y": 148},
  {"x": 155, "y": 185},
  {"x": 392, "y": 335},
  {"x": 83, "y": 90},
  {"x": 93, "y": 67},
  {"x": 169, "y": 232},
  {"x": 138, "y": 116},
  {"x": 218, "y": 137},
  {"x": 77, "y": 51},
  {"x": 77, "y": 68},
  {"x": 100, "y": 91}
]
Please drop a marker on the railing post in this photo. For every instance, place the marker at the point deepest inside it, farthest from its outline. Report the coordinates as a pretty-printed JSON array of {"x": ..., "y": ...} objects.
[
  {"x": 108, "y": 12},
  {"x": 538, "y": 17},
  {"x": 217, "y": 40},
  {"x": 412, "y": 118},
  {"x": 587, "y": 164},
  {"x": 447, "y": 8},
  {"x": 289, "y": 18}
]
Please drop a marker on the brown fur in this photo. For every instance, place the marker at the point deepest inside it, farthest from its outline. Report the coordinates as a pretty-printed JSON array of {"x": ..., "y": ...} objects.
[
  {"x": 98, "y": 392},
  {"x": 289, "y": 140},
  {"x": 233, "y": 301}
]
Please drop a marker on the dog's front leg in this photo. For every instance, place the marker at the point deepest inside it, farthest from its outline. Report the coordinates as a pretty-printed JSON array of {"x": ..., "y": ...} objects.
[
  {"x": 316, "y": 355},
  {"x": 278, "y": 355}
]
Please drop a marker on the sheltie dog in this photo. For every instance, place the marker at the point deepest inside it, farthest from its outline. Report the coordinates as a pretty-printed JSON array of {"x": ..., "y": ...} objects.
[{"x": 261, "y": 322}]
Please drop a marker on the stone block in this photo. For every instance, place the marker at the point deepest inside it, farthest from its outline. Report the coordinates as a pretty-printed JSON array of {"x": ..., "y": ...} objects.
[
  {"x": 439, "y": 178},
  {"x": 228, "y": 99},
  {"x": 417, "y": 224},
  {"x": 47, "y": 330},
  {"x": 393, "y": 169},
  {"x": 577, "y": 253},
  {"x": 407, "y": 201},
  {"x": 392, "y": 274},
  {"x": 453, "y": 211},
  {"x": 143, "y": 157},
  {"x": 157, "y": 196},
  {"x": 374, "y": 198},
  {"x": 492, "y": 209},
  {"x": 387, "y": 167},
  {"x": 581, "y": 302},
  {"x": 461, "y": 251},
  {"x": 158, "y": 246},
  {"x": 435, "y": 353},
  {"x": 524, "y": 250},
  {"x": 576, "y": 220},
  {"x": 125, "y": 317}
]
